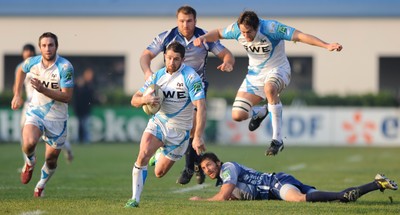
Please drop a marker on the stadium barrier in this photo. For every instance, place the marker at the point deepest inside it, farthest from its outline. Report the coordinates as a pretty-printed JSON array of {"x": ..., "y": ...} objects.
[
  {"x": 301, "y": 126},
  {"x": 339, "y": 126}
]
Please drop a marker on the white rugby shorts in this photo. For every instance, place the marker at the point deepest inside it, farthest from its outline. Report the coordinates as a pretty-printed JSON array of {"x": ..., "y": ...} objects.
[
  {"x": 54, "y": 133},
  {"x": 254, "y": 83},
  {"x": 23, "y": 113},
  {"x": 175, "y": 140}
]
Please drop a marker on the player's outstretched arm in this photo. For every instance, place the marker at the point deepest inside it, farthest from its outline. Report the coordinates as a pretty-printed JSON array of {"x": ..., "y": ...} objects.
[
  {"x": 315, "y": 41},
  {"x": 145, "y": 62},
  {"x": 211, "y": 36},
  {"x": 224, "y": 194}
]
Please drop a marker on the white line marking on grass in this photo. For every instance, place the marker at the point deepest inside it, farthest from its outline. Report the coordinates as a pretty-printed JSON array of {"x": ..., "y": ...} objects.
[
  {"x": 193, "y": 188},
  {"x": 11, "y": 188},
  {"x": 297, "y": 167},
  {"x": 355, "y": 158},
  {"x": 36, "y": 212}
]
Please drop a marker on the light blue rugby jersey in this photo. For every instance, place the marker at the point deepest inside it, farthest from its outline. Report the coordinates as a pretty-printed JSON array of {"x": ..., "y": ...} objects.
[
  {"x": 195, "y": 57},
  {"x": 180, "y": 90},
  {"x": 57, "y": 76},
  {"x": 267, "y": 50},
  {"x": 249, "y": 183}
]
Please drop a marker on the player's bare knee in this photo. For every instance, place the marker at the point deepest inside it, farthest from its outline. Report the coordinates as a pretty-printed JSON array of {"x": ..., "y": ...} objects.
[
  {"x": 159, "y": 173},
  {"x": 291, "y": 193},
  {"x": 241, "y": 108},
  {"x": 29, "y": 142},
  {"x": 270, "y": 92},
  {"x": 239, "y": 115}
]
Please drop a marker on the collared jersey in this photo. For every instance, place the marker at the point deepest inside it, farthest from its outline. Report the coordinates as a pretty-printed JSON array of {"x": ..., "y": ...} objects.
[
  {"x": 195, "y": 57},
  {"x": 267, "y": 50},
  {"x": 57, "y": 76},
  {"x": 180, "y": 89}
]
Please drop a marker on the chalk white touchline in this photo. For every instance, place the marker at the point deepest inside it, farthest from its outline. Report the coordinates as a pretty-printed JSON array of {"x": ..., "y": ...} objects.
[
  {"x": 297, "y": 167},
  {"x": 36, "y": 212},
  {"x": 193, "y": 188},
  {"x": 11, "y": 188}
]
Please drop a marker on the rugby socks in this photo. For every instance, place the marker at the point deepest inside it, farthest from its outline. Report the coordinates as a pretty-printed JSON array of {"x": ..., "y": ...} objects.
[
  {"x": 321, "y": 196},
  {"x": 276, "y": 120},
  {"x": 30, "y": 159},
  {"x": 46, "y": 174},
  {"x": 260, "y": 111},
  {"x": 139, "y": 175},
  {"x": 364, "y": 189}
]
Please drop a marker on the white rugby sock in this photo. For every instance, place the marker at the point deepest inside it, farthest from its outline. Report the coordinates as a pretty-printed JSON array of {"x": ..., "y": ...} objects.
[
  {"x": 46, "y": 174},
  {"x": 29, "y": 159},
  {"x": 260, "y": 111},
  {"x": 276, "y": 120},
  {"x": 139, "y": 175}
]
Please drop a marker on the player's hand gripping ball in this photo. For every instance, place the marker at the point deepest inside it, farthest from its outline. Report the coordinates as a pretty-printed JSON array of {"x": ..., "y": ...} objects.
[{"x": 151, "y": 109}]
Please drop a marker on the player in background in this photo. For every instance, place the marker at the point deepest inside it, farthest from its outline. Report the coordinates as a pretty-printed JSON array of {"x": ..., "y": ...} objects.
[
  {"x": 47, "y": 114},
  {"x": 242, "y": 183},
  {"x": 28, "y": 50},
  {"x": 196, "y": 57},
  {"x": 268, "y": 71},
  {"x": 170, "y": 127}
]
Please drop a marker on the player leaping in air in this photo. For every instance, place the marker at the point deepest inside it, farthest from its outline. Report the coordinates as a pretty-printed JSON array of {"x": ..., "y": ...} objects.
[{"x": 269, "y": 69}]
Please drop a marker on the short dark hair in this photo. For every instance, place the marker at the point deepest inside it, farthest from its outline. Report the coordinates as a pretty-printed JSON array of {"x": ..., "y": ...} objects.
[
  {"x": 29, "y": 47},
  {"x": 51, "y": 35},
  {"x": 210, "y": 156},
  {"x": 176, "y": 47},
  {"x": 186, "y": 9},
  {"x": 249, "y": 18}
]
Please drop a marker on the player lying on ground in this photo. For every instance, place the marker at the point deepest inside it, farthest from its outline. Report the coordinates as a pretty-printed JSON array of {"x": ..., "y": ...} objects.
[{"x": 242, "y": 183}]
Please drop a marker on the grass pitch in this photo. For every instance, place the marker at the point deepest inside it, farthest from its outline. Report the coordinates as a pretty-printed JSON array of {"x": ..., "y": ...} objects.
[{"x": 99, "y": 181}]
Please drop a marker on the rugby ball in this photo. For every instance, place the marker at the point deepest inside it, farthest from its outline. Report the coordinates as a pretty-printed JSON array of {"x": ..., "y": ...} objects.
[{"x": 151, "y": 109}]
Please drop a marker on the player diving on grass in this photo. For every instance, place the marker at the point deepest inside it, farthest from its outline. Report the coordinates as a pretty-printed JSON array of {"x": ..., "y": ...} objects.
[
  {"x": 268, "y": 71},
  {"x": 239, "y": 182},
  {"x": 169, "y": 128}
]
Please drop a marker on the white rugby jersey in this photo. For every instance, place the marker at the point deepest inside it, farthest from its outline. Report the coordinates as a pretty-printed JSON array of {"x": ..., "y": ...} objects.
[
  {"x": 27, "y": 84},
  {"x": 180, "y": 90},
  {"x": 195, "y": 57},
  {"x": 57, "y": 76},
  {"x": 267, "y": 50}
]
